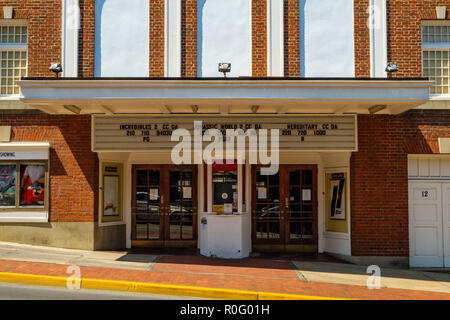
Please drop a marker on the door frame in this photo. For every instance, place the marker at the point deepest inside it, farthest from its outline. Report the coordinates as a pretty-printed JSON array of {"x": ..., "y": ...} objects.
[
  {"x": 284, "y": 243},
  {"x": 426, "y": 261},
  {"x": 164, "y": 240}
]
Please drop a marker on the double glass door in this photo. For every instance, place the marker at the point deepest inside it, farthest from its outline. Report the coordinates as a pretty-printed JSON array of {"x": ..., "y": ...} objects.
[
  {"x": 164, "y": 205},
  {"x": 284, "y": 207}
]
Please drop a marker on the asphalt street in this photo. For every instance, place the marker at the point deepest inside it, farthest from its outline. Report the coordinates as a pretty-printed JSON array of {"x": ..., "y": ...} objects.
[{"x": 23, "y": 292}]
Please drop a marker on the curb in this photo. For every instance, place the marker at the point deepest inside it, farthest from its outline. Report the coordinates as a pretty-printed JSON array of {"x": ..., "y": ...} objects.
[{"x": 153, "y": 288}]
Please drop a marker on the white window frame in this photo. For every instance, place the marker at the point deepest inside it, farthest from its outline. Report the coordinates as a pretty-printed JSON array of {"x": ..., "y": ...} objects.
[
  {"x": 14, "y": 47},
  {"x": 434, "y": 46},
  {"x": 30, "y": 151}
]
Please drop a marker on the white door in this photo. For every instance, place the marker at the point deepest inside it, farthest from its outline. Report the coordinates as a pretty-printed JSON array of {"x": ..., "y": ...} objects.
[
  {"x": 425, "y": 224},
  {"x": 446, "y": 222}
]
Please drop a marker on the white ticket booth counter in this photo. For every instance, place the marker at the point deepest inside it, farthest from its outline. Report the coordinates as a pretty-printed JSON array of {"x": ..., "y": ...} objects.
[{"x": 225, "y": 230}]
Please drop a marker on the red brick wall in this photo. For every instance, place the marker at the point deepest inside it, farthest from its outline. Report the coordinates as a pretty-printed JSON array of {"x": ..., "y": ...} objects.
[
  {"x": 86, "y": 61},
  {"x": 259, "y": 38},
  {"x": 157, "y": 38},
  {"x": 44, "y": 18},
  {"x": 189, "y": 38},
  {"x": 404, "y": 33},
  {"x": 44, "y": 29},
  {"x": 291, "y": 38},
  {"x": 73, "y": 167},
  {"x": 362, "y": 39},
  {"x": 379, "y": 177}
]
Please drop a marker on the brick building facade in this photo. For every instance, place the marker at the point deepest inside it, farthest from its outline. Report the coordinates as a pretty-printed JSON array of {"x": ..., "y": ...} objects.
[{"x": 397, "y": 119}]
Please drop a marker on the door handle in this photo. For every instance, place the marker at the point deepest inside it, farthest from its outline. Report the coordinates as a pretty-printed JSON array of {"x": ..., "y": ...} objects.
[{"x": 286, "y": 200}]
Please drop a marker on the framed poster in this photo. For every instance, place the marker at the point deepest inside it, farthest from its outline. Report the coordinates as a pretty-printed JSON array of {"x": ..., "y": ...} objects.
[
  {"x": 111, "y": 195},
  {"x": 336, "y": 196},
  {"x": 111, "y": 210}
]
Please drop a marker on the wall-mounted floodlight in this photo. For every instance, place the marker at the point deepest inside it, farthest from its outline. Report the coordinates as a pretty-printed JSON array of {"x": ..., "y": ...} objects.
[
  {"x": 56, "y": 68},
  {"x": 73, "y": 109},
  {"x": 391, "y": 67},
  {"x": 377, "y": 108},
  {"x": 225, "y": 67},
  {"x": 255, "y": 108}
]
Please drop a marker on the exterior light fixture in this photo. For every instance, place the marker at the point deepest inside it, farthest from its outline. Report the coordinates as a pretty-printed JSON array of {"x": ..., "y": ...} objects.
[
  {"x": 225, "y": 67},
  {"x": 56, "y": 68},
  {"x": 194, "y": 108},
  {"x": 391, "y": 67},
  {"x": 73, "y": 109},
  {"x": 377, "y": 108},
  {"x": 255, "y": 109},
  {"x": 7, "y": 12}
]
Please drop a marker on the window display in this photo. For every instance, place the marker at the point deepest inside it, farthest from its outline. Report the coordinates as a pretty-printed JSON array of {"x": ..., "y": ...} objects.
[
  {"x": 32, "y": 185},
  {"x": 7, "y": 185},
  {"x": 22, "y": 185}
]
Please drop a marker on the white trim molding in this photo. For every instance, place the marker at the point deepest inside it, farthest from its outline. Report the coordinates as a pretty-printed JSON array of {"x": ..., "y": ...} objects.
[
  {"x": 275, "y": 38},
  {"x": 172, "y": 51},
  {"x": 274, "y": 96},
  {"x": 70, "y": 31},
  {"x": 378, "y": 38}
]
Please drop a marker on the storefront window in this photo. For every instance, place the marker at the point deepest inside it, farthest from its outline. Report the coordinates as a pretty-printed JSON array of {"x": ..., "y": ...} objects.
[
  {"x": 22, "y": 185},
  {"x": 7, "y": 185},
  {"x": 32, "y": 185}
]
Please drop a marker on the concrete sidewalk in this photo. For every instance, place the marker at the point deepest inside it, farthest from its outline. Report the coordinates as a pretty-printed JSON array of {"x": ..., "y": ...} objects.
[{"x": 311, "y": 278}]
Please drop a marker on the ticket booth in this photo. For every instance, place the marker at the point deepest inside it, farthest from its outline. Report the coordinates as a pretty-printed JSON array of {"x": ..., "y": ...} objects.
[{"x": 225, "y": 224}]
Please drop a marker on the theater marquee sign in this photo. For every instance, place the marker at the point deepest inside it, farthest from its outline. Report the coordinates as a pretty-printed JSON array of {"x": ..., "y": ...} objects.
[{"x": 144, "y": 133}]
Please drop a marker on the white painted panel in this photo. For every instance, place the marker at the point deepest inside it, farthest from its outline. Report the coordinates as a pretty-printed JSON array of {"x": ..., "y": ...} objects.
[
  {"x": 425, "y": 225},
  {"x": 425, "y": 212},
  {"x": 275, "y": 38},
  {"x": 122, "y": 38},
  {"x": 224, "y": 35},
  {"x": 445, "y": 167},
  {"x": 435, "y": 168},
  {"x": 424, "y": 167},
  {"x": 326, "y": 38},
  {"x": 431, "y": 167},
  {"x": 446, "y": 222},
  {"x": 173, "y": 38},
  {"x": 413, "y": 167},
  {"x": 426, "y": 242}
]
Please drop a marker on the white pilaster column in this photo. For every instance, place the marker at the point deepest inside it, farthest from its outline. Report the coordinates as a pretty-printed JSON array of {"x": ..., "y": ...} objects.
[
  {"x": 70, "y": 31},
  {"x": 378, "y": 38},
  {"x": 275, "y": 38},
  {"x": 172, "y": 61}
]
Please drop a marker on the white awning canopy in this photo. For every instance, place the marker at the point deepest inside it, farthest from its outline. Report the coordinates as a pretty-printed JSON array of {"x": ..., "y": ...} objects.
[{"x": 224, "y": 96}]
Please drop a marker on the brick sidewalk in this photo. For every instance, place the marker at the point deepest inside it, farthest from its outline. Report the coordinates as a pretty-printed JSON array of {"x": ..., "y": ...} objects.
[{"x": 249, "y": 274}]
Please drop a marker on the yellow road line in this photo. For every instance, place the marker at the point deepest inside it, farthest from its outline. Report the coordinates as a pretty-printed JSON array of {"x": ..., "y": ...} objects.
[{"x": 144, "y": 287}]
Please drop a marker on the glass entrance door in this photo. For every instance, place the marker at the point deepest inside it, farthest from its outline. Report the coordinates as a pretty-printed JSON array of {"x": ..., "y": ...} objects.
[
  {"x": 164, "y": 207},
  {"x": 300, "y": 212},
  {"x": 267, "y": 208},
  {"x": 284, "y": 209}
]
